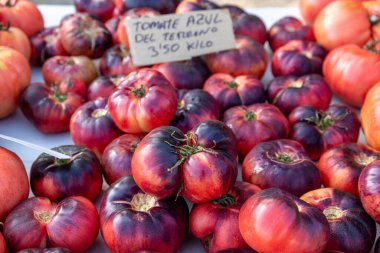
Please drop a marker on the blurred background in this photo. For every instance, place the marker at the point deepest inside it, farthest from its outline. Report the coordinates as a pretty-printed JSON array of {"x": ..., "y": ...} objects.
[{"x": 242, "y": 3}]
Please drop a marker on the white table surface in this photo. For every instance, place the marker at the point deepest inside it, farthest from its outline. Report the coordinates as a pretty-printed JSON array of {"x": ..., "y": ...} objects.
[{"x": 17, "y": 125}]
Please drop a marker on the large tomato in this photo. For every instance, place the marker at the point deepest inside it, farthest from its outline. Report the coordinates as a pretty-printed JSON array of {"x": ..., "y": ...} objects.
[
  {"x": 346, "y": 22},
  {"x": 351, "y": 71},
  {"x": 23, "y": 14},
  {"x": 370, "y": 117},
  {"x": 15, "y": 75},
  {"x": 310, "y": 9},
  {"x": 15, "y": 38}
]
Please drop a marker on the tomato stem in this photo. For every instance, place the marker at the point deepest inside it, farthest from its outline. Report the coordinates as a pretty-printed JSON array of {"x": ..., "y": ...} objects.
[
  {"x": 232, "y": 84},
  {"x": 10, "y": 3},
  {"x": 139, "y": 92},
  {"x": 225, "y": 200},
  {"x": 250, "y": 115},
  {"x": 4, "y": 27},
  {"x": 372, "y": 46},
  {"x": 283, "y": 157},
  {"x": 188, "y": 149},
  {"x": 60, "y": 98}
]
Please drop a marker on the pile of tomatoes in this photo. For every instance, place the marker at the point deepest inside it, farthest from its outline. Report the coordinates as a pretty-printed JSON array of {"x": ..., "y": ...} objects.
[{"x": 171, "y": 136}]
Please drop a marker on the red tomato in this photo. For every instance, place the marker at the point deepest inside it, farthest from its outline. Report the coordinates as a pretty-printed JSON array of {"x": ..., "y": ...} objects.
[
  {"x": 341, "y": 23},
  {"x": 3, "y": 246},
  {"x": 15, "y": 76},
  {"x": 15, "y": 38},
  {"x": 23, "y": 14},
  {"x": 351, "y": 71},
  {"x": 144, "y": 100},
  {"x": 274, "y": 221}
]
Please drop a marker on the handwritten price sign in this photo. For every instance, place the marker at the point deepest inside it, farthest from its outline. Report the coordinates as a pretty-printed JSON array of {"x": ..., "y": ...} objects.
[{"x": 177, "y": 37}]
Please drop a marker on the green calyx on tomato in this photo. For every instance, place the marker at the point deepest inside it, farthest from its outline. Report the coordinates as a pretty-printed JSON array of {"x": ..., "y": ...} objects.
[
  {"x": 5, "y": 27},
  {"x": 190, "y": 148},
  {"x": 250, "y": 115},
  {"x": 226, "y": 200},
  {"x": 232, "y": 84},
  {"x": 139, "y": 92},
  {"x": 283, "y": 157},
  {"x": 373, "y": 46}
]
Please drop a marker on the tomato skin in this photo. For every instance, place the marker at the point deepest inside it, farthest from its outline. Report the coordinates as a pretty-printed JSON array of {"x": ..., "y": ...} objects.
[
  {"x": 351, "y": 71},
  {"x": 162, "y": 6},
  {"x": 341, "y": 23},
  {"x": 91, "y": 126},
  {"x": 340, "y": 167},
  {"x": 248, "y": 58},
  {"x": 117, "y": 60},
  {"x": 15, "y": 38},
  {"x": 287, "y": 29},
  {"x": 15, "y": 75},
  {"x": 143, "y": 101},
  {"x": 187, "y": 75},
  {"x": 216, "y": 223},
  {"x": 46, "y": 44},
  {"x": 319, "y": 130},
  {"x": 48, "y": 108},
  {"x": 84, "y": 36},
  {"x": 370, "y": 117},
  {"x": 195, "y": 5},
  {"x": 265, "y": 167},
  {"x": 3, "y": 245},
  {"x": 211, "y": 151},
  {"x": 233, "y": 91},
  {"x": 112, "y": 25},
  {"x": 290, "y": 92},
  {"x": 57, "y": 68},
  {"x": 298, "y": 58},
  {"x": 377, "y": 246},
  {"x": 100, "y": 9},
  {"x": 23, "y": 14},
  {"x": 58, "y": 179},
  {"x": 14, "y": 188},
  {"x": 352, "y": 229},
  {"x": 132, "y": 221},
  {"x": 267, "y": 123},
  {"x": 274, "y": 220},
  {"x": 37, "y": 222},
  {"x": 117, "y": 157},
  {"x": 195, "y": 107},
  {"x": 104, "y": 86},
  {"x": 369, "y": 189},
  {"x": 311, "y": 8}
]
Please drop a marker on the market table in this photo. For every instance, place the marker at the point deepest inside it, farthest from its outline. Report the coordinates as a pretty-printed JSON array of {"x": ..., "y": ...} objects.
[{"x": 17, "y": 125}]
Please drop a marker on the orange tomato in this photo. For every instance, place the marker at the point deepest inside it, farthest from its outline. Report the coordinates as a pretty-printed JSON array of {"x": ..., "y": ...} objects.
[
  {"x": 15, "y": 76},
  {"x": 351, "y": 71},
  {"x": 15, "y": 38},
  {"x": 22, "y": 14},
  {"x": 341, "y": 23},
  {"x": 370, "y": 117},
  {"x": 310, "y": 8}
]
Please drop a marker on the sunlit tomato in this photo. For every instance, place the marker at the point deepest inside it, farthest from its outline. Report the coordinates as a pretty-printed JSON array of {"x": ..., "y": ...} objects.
[
  {"x": 23, "y": 14},
  {"x": 370, "y": 117},
  {"x": 274, "y": 221},
  {"x": 15, "y": 38},
  {"x": 343, "y": 22},
  {"x": 351, "y": 71},
  {"x": 340, "y": 167}
]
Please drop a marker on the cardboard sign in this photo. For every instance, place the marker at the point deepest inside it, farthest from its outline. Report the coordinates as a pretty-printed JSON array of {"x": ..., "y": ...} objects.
[{"x": 177, "y": 37}]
